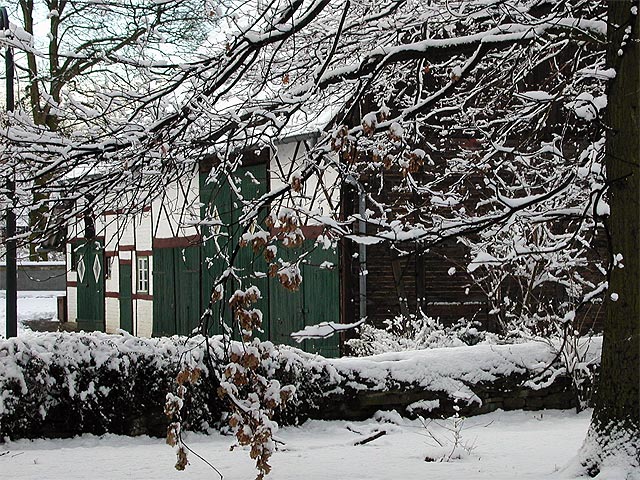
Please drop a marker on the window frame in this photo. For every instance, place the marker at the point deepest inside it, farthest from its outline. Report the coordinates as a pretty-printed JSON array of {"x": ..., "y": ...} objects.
[{"x": 142, "y": 274}]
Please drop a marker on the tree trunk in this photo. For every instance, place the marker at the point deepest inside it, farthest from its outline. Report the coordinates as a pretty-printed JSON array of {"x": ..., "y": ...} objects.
[{"x": 614, "y": 438}]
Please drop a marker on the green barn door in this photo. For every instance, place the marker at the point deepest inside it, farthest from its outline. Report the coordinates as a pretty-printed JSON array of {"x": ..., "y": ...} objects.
[
  {"x": 321, "y": 290},
  {"x": 164, "y": 298},
  {"x": 316, "y": 301},
  {"x": 222, "y": 208},
  {"x": 286, "y": 307},
  {"x": 216, "y": 207},
  {"x": 90, "y": 270},
  {"x": 176, "y": 290},
  {"x": 126, "y": 305},
  {"x": 252, "y": 182}
]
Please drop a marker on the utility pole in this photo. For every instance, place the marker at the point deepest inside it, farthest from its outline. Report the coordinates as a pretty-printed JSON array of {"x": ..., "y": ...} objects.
[{"x": 11, "y": 271}]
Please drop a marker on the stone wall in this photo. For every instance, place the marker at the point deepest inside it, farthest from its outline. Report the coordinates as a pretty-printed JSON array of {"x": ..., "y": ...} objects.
[
  {"x": 50, "y": 276},
  {"x": 506, "y": 393}
]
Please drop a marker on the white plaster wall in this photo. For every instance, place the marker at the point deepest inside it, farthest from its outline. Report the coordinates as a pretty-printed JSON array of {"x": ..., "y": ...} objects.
[
  {"x": 100, "y": 223},
  {"x": 278, "y": 177},
  {"x": 112, "y": 284},
  {"x": 175, "y": 212},
  {"x": 142, "y": 234},
  {"x": 111, "y": 232},
  {"x": 72, "y": 276},
  {"x": 72, "y": 305},
  {"x": 124, "y": 225},
  {"x": 76, "y": 230},
  {"x": 112, "y": 305},
  {"x": 143, "y": 314},
  {"x": 112, "y": 314}
]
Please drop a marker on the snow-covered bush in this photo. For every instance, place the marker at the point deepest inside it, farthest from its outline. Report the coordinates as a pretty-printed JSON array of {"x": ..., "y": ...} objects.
[
  {"x": 66, "y": 383},
  {"x": 415, "y": 333},
  {"x": 445, "y": 439},
  {"x": 62, "y": 384},
  {"x": 419, "y": 332}
]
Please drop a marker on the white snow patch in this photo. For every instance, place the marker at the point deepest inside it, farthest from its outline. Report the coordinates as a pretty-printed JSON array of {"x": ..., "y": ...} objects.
[{"x": 507, "y": 445}]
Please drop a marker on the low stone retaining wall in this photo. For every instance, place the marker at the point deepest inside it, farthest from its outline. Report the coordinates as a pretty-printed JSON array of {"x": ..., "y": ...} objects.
[
  {"x": 508, "y": 393},
  {"x": 465, "y": 380}
]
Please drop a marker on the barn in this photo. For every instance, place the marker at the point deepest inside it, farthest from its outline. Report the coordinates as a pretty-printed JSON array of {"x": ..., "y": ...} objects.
[{"x": 151, "y": 273}]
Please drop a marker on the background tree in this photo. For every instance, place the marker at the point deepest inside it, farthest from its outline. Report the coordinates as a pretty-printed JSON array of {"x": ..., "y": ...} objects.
[{"x": 84, "y": 47}]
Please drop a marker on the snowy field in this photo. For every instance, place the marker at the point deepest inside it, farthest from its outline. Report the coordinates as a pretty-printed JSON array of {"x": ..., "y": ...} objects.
[
  {"x": 501, "y": 446},
  {"x": 33, "y": 306}
]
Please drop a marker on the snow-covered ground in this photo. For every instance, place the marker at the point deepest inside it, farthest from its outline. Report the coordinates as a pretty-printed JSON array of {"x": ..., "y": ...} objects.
[
  {"x": 32, "y": 306},
  {"x": 503, "y": 446}
]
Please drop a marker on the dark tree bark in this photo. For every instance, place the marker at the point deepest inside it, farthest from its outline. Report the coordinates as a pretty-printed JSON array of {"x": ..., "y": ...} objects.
[{"x": 614, "y": 431}]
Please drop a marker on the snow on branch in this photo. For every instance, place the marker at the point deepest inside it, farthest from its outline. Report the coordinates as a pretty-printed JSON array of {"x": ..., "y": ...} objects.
[{"x": 324, "y": 330}]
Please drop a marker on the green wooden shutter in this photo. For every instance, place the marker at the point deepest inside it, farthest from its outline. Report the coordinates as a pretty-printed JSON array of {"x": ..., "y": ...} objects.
[
  {"x": 164, "y": 299},
  {"x": 126, "y": 306}
]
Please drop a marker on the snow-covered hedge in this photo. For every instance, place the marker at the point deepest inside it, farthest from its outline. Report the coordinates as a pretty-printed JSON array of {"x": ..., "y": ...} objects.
[
  {"x": 67, "y": 383},
  {"x": 59, "y": 384}
]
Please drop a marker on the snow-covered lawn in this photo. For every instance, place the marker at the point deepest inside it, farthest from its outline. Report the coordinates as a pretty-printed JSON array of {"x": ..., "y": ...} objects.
[
  {"x": 32, "y": 306},
  {"x": 505, "y": 445}
]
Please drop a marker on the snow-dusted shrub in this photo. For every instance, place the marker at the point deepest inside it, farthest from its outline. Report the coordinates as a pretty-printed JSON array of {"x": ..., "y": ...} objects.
[
  {"x": 571, "y": 350},
  {"x": 422, "y": 332},
  {"x": 445, "y": 439},
  {"x": 415, "y": 333},
  {"x": 59, "y": 384},
  {"x": 66, "y": 383}
]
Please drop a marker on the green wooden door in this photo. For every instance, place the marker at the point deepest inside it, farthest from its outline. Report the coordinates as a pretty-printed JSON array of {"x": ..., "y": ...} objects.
[
  {"x": 284, "y": 311},
  {"x": 217, "y": 237},
  {"x": 90, "y": 289},
  {"x": 164, "y": 298},
  {"x": 252, "y": 181},
  {"x": 224, "y": 205},
  {"x": 321, "y": 291},
  {"x": 176, "y": 290},
  {"x": 286, "y": 307},
  {"x": 317, "y": 300},
  {"x": 126, "y": 305}
]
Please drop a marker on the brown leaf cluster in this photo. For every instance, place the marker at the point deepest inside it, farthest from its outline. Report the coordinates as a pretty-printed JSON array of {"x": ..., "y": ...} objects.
[
  {"x": 269, "y": 254},
  {"x": 188, "y": 375},
  {"x": 414, "y": 163},
  {"x": 296, "y": 184},
  {"x": 290, "y": 282}
]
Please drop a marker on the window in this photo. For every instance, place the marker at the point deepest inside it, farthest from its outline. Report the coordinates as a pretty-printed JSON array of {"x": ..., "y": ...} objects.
[{"x": 143, "y": 274}]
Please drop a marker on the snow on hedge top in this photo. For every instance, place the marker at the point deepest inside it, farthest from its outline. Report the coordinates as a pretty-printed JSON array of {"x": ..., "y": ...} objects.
[{"x": 453, "y": 370}]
